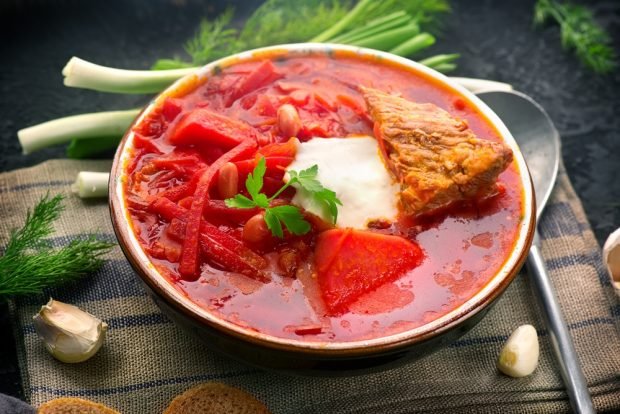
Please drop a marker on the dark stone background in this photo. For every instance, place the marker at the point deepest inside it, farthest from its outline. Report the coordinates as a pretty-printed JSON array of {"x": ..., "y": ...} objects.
[{"x": 496, "y": 40}]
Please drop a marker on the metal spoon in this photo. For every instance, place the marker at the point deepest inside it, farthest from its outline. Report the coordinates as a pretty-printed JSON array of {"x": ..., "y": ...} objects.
[{"x": 540, "y": 145}]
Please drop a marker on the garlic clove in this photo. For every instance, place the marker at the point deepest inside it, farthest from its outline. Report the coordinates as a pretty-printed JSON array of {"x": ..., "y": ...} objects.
[
  {"x": 611, "y": 258},
  {"x": 519, "y": 356},
  {"x": 69, "y": 334}
]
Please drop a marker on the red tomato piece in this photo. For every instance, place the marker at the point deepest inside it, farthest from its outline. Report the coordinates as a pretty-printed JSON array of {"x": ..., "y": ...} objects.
[
  {"x": 266, "y": 105},
  {"x": 188, "y": 267},
  {"x": 272, "y": 163},
  {"x": 262, "y": 75},
  {"x": 171, "y": 108},
  {"x": 203, "y": 126},
  {"x": 145, "y": 143},
  {"x": 353, "y": 262},
  {"x": 286, "y": 149},
  {"x": 152, "y": 126}
]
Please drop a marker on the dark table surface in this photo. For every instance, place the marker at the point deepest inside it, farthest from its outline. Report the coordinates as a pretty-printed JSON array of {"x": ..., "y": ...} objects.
[{"x": 496, "y": 41}]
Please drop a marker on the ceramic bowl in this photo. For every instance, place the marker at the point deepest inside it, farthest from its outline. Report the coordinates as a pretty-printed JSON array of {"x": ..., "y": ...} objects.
[{"x": 299, "y": 356}]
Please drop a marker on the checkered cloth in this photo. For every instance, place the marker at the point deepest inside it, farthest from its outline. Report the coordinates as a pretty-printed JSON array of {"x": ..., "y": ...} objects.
[{"x": 147, "y": 360}]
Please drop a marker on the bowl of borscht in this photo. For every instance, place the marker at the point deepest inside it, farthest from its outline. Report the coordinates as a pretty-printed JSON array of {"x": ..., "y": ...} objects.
[{"x": 321, "y": 209}]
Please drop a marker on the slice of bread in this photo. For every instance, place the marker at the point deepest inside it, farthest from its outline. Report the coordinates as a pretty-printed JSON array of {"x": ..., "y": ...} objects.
[
  {"x": 74, "y": 406},
  {"x": 216, "y": 398}
]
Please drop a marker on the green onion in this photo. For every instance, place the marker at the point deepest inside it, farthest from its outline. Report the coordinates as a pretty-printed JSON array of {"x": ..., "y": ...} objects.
[
  {"x": 389, "y": 39},
  {"x": 91, "y": 184},
  {"x": 90, "y": 147},
  {"x": 336, "y": 29},
  {"x": 414, "y": 45},
  {"x": 444, "y": 67},
  {"x": 79, "y": 73},
  {"x": 434, "y": 61},
  {"x": 374, "y": 26},
  {"x": 62, "y": 130}
]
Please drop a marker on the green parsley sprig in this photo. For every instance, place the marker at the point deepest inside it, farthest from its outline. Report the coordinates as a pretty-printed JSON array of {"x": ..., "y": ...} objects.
[
  {"x": 579, "y": 31},
  {"x": 288, "y": 215}
]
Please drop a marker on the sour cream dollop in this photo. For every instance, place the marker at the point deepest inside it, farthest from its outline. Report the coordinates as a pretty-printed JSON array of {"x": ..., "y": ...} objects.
[{"x": 353, "y": 169}]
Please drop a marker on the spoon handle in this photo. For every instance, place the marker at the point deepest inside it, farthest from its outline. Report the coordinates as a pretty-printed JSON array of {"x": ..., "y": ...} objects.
[{"x": 565, "y": 353}]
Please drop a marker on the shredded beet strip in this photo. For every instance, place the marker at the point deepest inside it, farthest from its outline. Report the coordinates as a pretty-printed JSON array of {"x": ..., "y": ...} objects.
[
  {"x": 188, "y": 267},
  {"x": 218, "y": 245},
  {"x": 184, "y": 190},
  {"x": 175, "y": 162},
  {"x": 169, "y": 210},
  {"x": 239, "y": 215},
  {"x": 232, "y": 244},
  {"x": 230, "y": 259}
]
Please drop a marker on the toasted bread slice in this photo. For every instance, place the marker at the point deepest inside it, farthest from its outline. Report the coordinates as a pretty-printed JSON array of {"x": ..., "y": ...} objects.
[
  {"x": 216, "y": 398},
  {"x": 74, "y": 406}
]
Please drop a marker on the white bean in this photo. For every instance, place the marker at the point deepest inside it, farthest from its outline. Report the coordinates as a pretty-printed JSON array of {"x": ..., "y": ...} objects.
[{"x": 289, "y": 122}]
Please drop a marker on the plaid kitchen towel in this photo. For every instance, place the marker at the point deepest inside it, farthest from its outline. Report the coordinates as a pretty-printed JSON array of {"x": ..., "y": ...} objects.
[{"x": 147, "y": 360}]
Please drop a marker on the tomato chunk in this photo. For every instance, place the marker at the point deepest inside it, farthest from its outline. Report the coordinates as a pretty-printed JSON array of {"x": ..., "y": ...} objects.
[
  {"x": 171, "y": 108},
  {"x": 353, "y": 262},
  {"x": 278, "y": 164},
  {"x": 262, "y": 75},
  {"x": 203, "y": 126},
  {"x": 285, "y": 149}
]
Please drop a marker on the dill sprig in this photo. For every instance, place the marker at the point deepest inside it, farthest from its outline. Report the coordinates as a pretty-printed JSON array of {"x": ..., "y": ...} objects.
[
  {"x": 30, "y": 264},
  {"x": 283, "y": 21},
  {"x": 579, "y": 31}
]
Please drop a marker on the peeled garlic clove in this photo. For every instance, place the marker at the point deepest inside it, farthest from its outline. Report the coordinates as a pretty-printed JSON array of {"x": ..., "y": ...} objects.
[
  {"x": 70, "y": 334},
  {"x": 611, "y": 258},
  {"x": 519, "y": 356}
]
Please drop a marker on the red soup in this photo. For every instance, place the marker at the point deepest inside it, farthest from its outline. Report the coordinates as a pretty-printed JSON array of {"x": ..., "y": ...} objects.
[{"x": 315, "y": 280}]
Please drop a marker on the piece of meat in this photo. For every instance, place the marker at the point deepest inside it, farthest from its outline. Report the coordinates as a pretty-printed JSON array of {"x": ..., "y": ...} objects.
[{"x": 436, "y": 157}]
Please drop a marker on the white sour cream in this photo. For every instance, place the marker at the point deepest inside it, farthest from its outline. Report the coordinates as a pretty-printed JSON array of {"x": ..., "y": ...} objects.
[{"x": 352, "y": 168}]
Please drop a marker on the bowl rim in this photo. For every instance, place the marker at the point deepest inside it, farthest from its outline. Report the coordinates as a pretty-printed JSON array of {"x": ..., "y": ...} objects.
[{"x": 393, "y": 342}]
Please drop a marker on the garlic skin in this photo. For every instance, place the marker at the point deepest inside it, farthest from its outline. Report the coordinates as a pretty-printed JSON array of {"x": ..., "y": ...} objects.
[
  {"x": 611, "y": 258},
  {"x": 519, "y": 356},
  {"x": 69, "y": 334}
]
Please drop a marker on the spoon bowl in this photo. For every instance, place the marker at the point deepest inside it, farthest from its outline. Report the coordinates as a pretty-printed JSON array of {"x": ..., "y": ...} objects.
[
  {"x": 536, "y": 135},
  {"x": 539, "y": 142}
]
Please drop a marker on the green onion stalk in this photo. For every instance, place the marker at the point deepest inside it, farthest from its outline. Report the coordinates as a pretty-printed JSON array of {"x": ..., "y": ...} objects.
[{"x": 77, "y": 127}]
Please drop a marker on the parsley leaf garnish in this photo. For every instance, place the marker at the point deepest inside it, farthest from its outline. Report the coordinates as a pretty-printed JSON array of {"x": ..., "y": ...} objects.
[
  {"x": 307, "y": 180},
  {"x": 288, "y": 215}
]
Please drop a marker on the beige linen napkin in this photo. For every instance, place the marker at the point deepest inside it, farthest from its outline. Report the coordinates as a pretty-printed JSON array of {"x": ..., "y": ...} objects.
[{"x": 147, "y": 360}]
